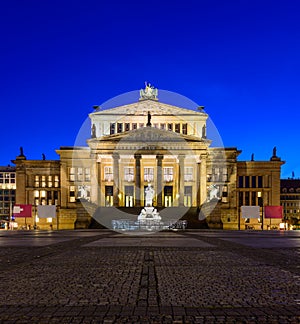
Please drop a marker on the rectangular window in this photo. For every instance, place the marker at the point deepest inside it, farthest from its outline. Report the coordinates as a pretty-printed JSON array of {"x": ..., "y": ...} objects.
[
  {"x": 56, "y": 181},
  {"x": 108, "y": 173},
  {"x": 170, "y": 126},
  {"x": 225, "y": 194},
  {"x": 241, "y": 183},
  {"x": 259, "y": 182},
  {"x": 247, "y": 198},
  {"x": 247, "y": 183},
  {"x": 168, "y": 174},
  {"x": 50, "y": 184},
  {"x": 119, "y": 127},
  {"x": 43, "y": 181},
  {"x": 87, "y": 174},
  {"x": 72, "y": 194},
  {"x": 36, "y": 181},
  {"x": 129, "y": 174},
  {"x": 188, "y": 174},
  {"x": 253, "y": 184},
  {"x": 241, "y": 200},
  {"x": 127, "y": 127},
  {"x": 155, "y": 125},
  {"x": 112, "y": 128},
  {"x": 141, "y": 125},
  {"x": 177, "y": 128},
  {"x": 80, "y": 174},
  {"x": 148, "y": 174},
  {"x": 162, "y": 126},
  {"x": 134, "y": 125},
  {"x": 253, "y": 199},
  {"x": 184, "y": 129},
  {"x": 72, "y": 174}
]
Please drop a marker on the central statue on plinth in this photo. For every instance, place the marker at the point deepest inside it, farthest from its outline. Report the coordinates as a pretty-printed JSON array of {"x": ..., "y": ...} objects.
[{"x": 149, "y": 216}]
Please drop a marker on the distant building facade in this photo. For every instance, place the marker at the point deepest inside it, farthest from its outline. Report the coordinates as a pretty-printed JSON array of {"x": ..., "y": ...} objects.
[
  {"x": 290, "y": 200},
  {"x": 7, "y": 191},
  {"x": 148, "y": 142}
]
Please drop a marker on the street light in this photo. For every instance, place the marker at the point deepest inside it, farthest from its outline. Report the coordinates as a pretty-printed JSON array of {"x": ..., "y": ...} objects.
[{"x": 260, "y": 195}]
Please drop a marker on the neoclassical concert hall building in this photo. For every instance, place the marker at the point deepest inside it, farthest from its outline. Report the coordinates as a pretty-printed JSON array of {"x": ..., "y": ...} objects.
[{"x": 148, "y": 143}]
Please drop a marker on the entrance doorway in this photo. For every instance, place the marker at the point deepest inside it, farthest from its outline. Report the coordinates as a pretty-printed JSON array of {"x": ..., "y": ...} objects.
[
  {"x": 168, "y": 194},
  {"x": 109, "y": 196},
  {"x": 129, "y": 192}
]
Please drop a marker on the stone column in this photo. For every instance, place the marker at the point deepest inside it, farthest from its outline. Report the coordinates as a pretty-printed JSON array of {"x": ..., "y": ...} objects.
[
  {"x": 198, "y": 183},
  {"x": 181, "y": 180},
  {"x": 116, "y": 178},
  {"x": 98, "y": 172},
  {"x": 202, "y": 179},
  {"x": 159, "y": 158},
  {"x": 137, "y": 179}
]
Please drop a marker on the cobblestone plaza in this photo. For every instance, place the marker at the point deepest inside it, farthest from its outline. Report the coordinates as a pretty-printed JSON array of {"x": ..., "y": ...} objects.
[{"x": 100, "y": 276}]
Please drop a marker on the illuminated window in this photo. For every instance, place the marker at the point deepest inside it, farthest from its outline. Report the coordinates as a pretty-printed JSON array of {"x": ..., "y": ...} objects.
[
  {"x": 72, "y": 174},
  {"x": 168, "y": 174},
  {"x": 72, "y": 194},
  {"x": 56, "y": 181},
  {"x": 43, "y": 181},
  {"x": 108, "y": 173},
  {"x": 80, "y": 174},
  {"x": 36, "y": 181},
  {"x": 50, "y": 184},
  {"x": 87, "y": 174},
  {"x": 188, "y": 174},
  {"x": 129, "y": 174},
  {"x": 148, "y": 174}
]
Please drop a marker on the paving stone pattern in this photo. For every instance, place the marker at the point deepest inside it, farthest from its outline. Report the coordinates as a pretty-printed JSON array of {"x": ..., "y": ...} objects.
[{"x": 213, "y": 279}]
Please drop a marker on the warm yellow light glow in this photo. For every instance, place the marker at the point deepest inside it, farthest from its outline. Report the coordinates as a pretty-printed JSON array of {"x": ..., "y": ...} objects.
[{"x": 49, "y": 220}]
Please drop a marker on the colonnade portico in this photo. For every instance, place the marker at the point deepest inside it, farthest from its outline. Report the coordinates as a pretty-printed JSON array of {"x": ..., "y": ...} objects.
[{"x": 157, "y": 162}]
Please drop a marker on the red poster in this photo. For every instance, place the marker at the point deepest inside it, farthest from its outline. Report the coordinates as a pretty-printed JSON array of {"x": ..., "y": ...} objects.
[
  {"x": 22, "y": 210},
  {"x": 273, "y": 212}
]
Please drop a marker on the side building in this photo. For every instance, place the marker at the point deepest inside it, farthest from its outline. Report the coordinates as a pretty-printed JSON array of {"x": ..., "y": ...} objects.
[
  {"x": 290, "y": 201},
  {"x": 7, "y": 192}
]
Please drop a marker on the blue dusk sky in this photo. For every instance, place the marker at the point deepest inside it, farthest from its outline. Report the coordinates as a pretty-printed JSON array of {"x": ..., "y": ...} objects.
[{"x": 238, "y": 58}]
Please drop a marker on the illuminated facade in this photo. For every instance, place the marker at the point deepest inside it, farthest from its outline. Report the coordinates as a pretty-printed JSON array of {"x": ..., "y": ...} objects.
[{"x": 149, "y": 142}]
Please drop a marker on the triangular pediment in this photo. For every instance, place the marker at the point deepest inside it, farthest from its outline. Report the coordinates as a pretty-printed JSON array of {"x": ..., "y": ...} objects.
[{"x": 144, "y": 106}]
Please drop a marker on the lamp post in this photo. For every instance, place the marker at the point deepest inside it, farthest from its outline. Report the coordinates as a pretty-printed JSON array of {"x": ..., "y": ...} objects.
[{"x": 260, "y": 195}]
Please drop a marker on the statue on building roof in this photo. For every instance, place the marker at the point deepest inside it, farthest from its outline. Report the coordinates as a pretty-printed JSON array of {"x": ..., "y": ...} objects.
[
  {"x": 43, "y": 156},
  {"x": 274, "y": 151},
  {"x": 149, "y": 92},
  {"x": 149, "y": 119},
  {"x": 94, "y": 131},
  {"x": 204, "y": 131},
  {"x": 252, "y": 157},
  {"x": 21, "y": 151}
]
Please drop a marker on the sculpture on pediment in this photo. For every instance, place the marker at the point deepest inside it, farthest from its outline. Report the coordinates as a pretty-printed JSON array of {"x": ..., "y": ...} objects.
[{"x": 149, "y": 92}]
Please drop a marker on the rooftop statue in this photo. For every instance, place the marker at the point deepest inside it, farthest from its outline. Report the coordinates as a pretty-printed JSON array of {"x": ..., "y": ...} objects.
[{"x": 149, "y": 92}]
